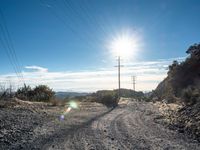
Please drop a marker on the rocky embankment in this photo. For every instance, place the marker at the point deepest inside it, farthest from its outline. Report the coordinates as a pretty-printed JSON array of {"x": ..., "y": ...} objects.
[
  {"x": 185, "y": 119},
  {"x": 19, "y": 121}
]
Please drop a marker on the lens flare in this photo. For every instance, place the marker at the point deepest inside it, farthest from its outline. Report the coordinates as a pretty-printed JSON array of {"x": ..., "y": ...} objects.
[
  {"x": 62, "y": 117},
  {"x": 72, "y": 105},
  {"x": 67, "y": 110}
]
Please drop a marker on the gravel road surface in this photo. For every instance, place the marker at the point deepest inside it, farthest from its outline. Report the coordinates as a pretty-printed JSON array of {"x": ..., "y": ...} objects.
[{"x": 133, "y": 125}]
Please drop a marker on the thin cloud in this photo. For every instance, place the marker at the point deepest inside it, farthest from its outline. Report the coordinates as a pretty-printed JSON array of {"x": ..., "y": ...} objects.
[{"x": 36, "y": 68}]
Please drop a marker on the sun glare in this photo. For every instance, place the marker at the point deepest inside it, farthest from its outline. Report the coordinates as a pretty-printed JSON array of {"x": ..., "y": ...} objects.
[{"x": 124, "y": 45}]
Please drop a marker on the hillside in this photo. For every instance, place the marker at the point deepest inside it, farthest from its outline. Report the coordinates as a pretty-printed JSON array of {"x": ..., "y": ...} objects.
[
  {"x": 183, "y": 80},
  {"x": 182, "y": 86}
]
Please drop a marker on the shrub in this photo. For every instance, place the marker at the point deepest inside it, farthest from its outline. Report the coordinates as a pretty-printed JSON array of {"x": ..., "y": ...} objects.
[
  {"x": 108, "y": 98},
  {"x": 25, "y": 93},
  {"x": 190, "y": 95},
  {"x": 6, "y": 93},
  {"x": 43, "y": 93}
]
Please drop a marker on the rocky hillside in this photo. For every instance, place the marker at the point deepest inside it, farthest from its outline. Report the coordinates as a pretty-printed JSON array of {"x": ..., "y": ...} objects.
[{"x": 182, "y": 86}]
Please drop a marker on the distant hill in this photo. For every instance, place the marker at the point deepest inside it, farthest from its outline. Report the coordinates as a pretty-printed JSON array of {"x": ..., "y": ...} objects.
[{"x": 63, "y": 95}]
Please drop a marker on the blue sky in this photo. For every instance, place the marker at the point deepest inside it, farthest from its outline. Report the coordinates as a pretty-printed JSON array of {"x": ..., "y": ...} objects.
[{"x": 71, "y": 36}]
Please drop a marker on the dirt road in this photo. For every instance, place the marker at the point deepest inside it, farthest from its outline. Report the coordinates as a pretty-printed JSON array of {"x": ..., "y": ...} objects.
[
  {"x": 135, "y": 125},
  {"x": 132, "y": 126}
]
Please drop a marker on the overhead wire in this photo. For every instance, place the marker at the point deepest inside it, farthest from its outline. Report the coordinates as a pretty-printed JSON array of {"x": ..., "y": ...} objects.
[
  {"x": 82, "y": 21},
  {"x": 66, "y": 19},
  {"x": 94, "y": 24},
  {"x": 92, "y": 17},
  {"x": 86, "y": 18},
  {"x": 71, "y": 14},
  {"x": 9, "y": 48}
]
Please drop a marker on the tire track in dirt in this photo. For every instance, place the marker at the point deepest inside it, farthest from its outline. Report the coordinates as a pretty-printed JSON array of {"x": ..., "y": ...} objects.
[{"x": 130, "y": 126}]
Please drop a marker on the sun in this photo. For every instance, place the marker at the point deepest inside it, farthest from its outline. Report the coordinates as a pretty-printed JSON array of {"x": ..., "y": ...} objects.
[{"x": 124, "y": 45}]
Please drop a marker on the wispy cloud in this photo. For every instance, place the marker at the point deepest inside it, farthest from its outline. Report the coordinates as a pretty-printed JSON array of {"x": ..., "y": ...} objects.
[
  {"x": 148, "y": 75},
  {"x": 36, "y": 68}
]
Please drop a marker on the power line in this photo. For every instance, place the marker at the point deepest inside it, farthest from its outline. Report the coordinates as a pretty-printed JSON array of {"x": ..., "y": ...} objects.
[
  {"x": 9, "y": 47},
  {"x": 86, "y": 20},
  {"x": 68, "y": 18},
  {"x": 91, "y": 17}
]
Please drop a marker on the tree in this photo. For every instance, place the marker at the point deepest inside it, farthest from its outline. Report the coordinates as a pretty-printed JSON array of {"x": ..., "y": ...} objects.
[
  {"x": 173, "y": 66},
  {"x": 194, "y": 51}
]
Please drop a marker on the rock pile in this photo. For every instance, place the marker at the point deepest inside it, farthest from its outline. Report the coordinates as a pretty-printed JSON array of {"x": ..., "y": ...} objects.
[{"x": 185, "y": 119}]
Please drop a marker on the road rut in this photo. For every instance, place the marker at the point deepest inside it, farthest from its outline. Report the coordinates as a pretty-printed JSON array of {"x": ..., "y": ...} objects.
[{"x": 132, "y": 126}]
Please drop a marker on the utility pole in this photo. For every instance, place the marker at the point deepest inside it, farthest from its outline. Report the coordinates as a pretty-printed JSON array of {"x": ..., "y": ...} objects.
[
  {"x": 119, "y": 86},
  {"x": 133, "y": 79}
]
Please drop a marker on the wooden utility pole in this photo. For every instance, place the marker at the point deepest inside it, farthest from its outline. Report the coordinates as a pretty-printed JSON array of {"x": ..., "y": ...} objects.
[
  {"x": 119, "y": 84},
  {"x": 133, "y": 80}
]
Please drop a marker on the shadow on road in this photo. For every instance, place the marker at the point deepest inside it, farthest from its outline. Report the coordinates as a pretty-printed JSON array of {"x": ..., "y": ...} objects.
[{"x": 45, "y": 141}]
